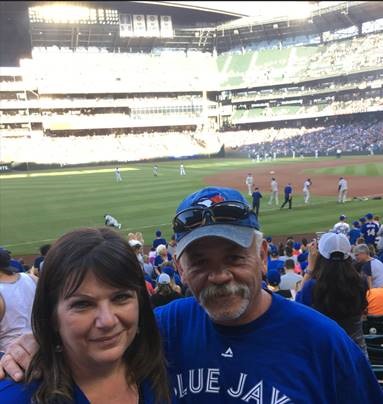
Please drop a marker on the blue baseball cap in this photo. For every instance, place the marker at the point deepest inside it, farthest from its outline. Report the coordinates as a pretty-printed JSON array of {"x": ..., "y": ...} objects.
[
  {"x": 274, "y": 277},
  {"x": 342, "y": 217},
  {"x": 356, "y": 223},
  {"x": 240, "y": 231},
  {"x": 369, "y": 216},
  {"x": 362, "y": 220}
]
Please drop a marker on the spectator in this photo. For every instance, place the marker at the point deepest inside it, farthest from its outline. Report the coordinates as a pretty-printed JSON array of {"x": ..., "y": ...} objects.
[
  {"x": 372, "y": 268},
  {"x": 369, "y": 230},
  {"x": 164, "y": 292},
  {"x": 274, "y": 279},
  {"x": 375, "y": 302},
  {"x": 17, "y": 291},
  {"x": 275, "y": 262},
  {"x": 98, "y": 340},
  {"x": 342, "y": 227},
  {"x": 338, "y": 291},
  {"x": 37, "y": 262},
  {"x": 158, "y": 240},
  {"x": 354, "y": 232},
  {"x": 290, "y": 280}
]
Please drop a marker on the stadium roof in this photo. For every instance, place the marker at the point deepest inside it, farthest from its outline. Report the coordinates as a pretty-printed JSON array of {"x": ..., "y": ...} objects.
[{"x": 202, "y": 25}]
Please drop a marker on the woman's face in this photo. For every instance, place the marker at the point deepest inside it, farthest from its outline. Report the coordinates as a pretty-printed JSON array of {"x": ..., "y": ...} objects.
[{"x": 97, "y": 324}]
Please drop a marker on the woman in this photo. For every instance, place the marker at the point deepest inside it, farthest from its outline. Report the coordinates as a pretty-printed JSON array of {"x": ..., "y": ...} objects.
[
  {"x": 93, "y": 321},
  {"x": 336, "y": 289},
  {"x": 164, "y": 292},
  {"x": 162, "y": 256}
]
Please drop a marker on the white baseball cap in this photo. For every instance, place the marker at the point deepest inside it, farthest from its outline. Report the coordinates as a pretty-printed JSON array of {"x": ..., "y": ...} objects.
[
  {"x": 332, "y": 242},
  {"x": 164, "y": 279}
]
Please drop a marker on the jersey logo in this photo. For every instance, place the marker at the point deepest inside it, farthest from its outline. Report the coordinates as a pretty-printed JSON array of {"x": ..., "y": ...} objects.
[{"x": 228, "y": 353}]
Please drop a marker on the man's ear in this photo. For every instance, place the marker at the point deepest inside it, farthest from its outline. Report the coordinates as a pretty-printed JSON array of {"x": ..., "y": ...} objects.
[
  {"x": 263, "y": 254},
  {"x": 177, "y": 263}
]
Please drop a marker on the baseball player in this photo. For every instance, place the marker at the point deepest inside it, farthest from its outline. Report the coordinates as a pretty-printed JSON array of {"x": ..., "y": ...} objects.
[
  {"x": 155, "y": 170},
  {"x": 111, "y": 221},
  {"x": 117, "y": 174},
  {"x": 249, "y": 182},
  {"x": 274, "y": 192},
  {"x": 306, "y": 190},
  {"x": 342, "y": 190},
  {"x": 182, "y": 169}
]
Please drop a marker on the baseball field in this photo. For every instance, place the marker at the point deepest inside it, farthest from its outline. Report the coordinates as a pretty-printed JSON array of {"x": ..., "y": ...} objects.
[{"x": 39, "y": 206}]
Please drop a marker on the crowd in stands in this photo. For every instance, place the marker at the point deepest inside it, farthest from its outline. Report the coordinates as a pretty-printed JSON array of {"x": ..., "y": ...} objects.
[{"x": 354, "y": 137}]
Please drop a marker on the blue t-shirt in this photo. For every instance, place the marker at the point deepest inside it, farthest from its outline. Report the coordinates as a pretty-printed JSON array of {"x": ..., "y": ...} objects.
[
  {"x": 291, "y": 354},
  {"x": 354, "y": 235},
  {"x": 158, "y": 241},
  {"x": 22, "y": 393}
]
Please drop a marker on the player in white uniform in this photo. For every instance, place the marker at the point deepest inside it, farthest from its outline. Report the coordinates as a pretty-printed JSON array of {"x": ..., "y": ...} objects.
[
  {"x": 274, "y": 192},
  {"x": 111, "y": 221},
  {"x": 306, "y": 190},
  {"x": 249, "y": 182},
  {"x": 342, "y": 190},
  {"x": 155, "y": 170},
  {"x": 118, "y": 174},
  {"x": 182, "y": 170}
]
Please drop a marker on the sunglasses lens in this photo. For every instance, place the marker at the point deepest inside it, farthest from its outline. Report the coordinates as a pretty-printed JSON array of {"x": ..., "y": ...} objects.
[
  {"x": 229, "y": 212},
  {"x": 188, "y": 219}
]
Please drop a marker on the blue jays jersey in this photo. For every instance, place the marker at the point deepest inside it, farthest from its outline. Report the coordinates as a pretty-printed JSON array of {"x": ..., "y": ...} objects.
[
  {"x": 291, "y": 354},
  {"x": 369, "y": 231}
]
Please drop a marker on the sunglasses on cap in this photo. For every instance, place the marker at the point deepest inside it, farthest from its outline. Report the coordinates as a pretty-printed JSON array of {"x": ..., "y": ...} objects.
[{"x": 222, "y": 212}]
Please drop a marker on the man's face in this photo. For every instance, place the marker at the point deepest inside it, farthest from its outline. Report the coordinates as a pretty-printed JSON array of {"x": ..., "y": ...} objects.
[
  {"x": 225, "y": 278},
  {"x": 362, "y": 257}
]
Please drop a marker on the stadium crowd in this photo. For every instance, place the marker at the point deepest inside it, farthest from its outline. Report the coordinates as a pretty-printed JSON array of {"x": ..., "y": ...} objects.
[
  {"x": 338, "y": 274},
  {"x": 354, "y": 137}
]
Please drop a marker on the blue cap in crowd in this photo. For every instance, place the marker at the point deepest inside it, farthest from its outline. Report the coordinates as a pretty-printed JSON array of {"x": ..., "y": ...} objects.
[
  {"x": 369, "y": 216},
  {"x": 158, "y": 233},
  {"x": 356, "y": 223},
  {"x": 274, "y": 277},
  {"x": 362, "y": 220},
  {"x": 297, "y": 245},
  {"x": 342, "y": 217},
  {"x": 195, "y": 217},
  {"x": 269, "y": 239}
]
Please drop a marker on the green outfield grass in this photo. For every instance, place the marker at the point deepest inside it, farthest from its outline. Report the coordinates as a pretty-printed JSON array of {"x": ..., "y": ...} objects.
[
  {"x": 368, "y": 169},
  {"x": 37, "y": 208}
]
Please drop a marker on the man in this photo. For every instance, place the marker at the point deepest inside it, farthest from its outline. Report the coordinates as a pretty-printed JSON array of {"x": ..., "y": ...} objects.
[
  {"x": 117, "y": 174},
  {"x": 249, "y": 182},
  {"x": 155, "y": 170},
  {"x": 274, "y": 192},
  {"x": 372, "y": 268},
  {"x": 288, "y": 196},
  {"x": 342, "y": 227},
  {"x": 354, "y": 232},
  {"x": 182, "y": 169},
  {"x": 256, "y": 195},
  {"x": 306, "y": 190},
  {"x": 111, "y": 221},
  {"x": 342, "y": 190},
  {"x": 290, "y": 280},
  {"x": 369, "y": 230},
  {"x": 234, "y": 341}
]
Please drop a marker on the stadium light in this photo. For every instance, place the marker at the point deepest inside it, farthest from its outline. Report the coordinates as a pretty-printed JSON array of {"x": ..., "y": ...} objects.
[{"x": 66, "y": 13}]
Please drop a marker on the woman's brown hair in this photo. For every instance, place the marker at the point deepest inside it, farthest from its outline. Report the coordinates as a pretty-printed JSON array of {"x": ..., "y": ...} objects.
[{"x": 108, "y": 256}]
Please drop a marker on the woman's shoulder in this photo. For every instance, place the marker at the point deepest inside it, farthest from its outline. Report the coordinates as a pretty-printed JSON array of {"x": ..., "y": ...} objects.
[{"x": 12, "y": 392}]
